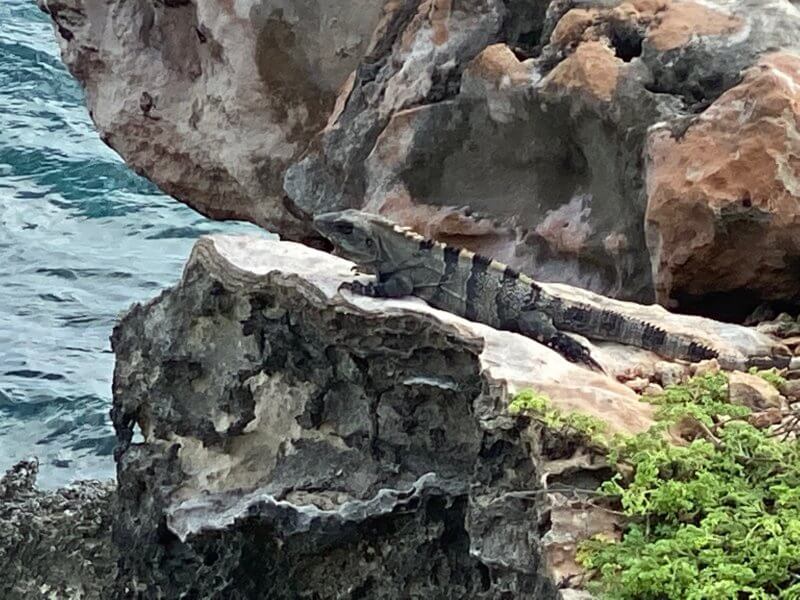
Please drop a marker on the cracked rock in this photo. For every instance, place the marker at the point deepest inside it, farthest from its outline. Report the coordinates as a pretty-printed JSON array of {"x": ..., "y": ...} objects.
[{"x": 275, "y": 434}]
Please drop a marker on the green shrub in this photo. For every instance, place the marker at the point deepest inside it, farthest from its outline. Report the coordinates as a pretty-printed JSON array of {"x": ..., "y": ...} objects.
[
  {"x": 537, "y": 405},
  {"x": 715, "y": 519},
  {"x": 772, "y": 376}
]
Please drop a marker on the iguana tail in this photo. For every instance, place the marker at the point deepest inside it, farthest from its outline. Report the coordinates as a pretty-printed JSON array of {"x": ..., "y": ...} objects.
[{"x": 611, "y": 326}]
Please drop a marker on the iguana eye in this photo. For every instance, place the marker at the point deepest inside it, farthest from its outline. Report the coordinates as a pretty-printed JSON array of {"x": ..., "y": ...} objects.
[
  {"x": 344, "y": 228},
  {"x": 368, "y": 243}
]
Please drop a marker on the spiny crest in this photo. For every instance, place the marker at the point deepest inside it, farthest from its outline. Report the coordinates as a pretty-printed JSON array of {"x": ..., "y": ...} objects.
[
  {"x": 464, "y": 255},
  {"x": 657, "y": 335},
  {"x": 408, "y": 232}
]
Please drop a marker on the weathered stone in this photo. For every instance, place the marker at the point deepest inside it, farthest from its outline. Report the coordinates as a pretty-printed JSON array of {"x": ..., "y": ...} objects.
[
  {"x": 514, "y": 128},
  {"x": 55, "y": 544},
  {"x": 766, "y": 418},
  {"x": 791, "y": 389},
  {"x": 364, "y": 443},
  {"x": 753, "y": 391},
  {"x": 668, "y": 373},
  {"x": 675, "y": 23},
  {"x": 705, "y": 367},
  {"x": 638, "y": 385},
  {"x": 784, "y": 326},
  {"x": 652, "y": 389},
  {"x": 213, "y": 100},
  {"x": 593, "y": 69},
  {"x": 724, "y": 196}
]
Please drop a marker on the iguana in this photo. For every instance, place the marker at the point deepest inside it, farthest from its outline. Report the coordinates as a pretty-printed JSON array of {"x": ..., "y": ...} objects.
[{"x": 487, "y": 291}]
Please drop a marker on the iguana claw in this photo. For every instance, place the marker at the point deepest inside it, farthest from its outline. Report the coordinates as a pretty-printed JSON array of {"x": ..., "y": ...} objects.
[{"x": 574, "y": 351}]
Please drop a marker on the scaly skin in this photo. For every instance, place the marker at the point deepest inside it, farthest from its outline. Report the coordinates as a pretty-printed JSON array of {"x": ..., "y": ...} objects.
[{"x": 484, "y": 290}]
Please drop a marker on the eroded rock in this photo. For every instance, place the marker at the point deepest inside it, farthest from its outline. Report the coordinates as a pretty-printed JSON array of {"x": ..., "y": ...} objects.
[
  {"x": 517, "y": 129},
  {"x": 753, "y": 391},
  {"x": 213, "y": 100},
  {"x": 363, "y": 443},
  {"x": 724, "y": 196},
  {"x": 55, "y": 544}
]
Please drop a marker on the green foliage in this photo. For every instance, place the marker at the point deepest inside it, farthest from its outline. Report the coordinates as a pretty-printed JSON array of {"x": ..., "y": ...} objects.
[
  {"x": 704, "y": 398},
  {"x": 718, "y": 518},
  {"x": 772, "y": 376},
  {"x": 538, "y": 406}
]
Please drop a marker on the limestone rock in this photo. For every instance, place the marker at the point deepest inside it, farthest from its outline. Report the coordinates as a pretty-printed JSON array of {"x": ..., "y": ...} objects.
[
  {"x": 783, "y": 326},
  {"x": 705, "y": 367},
  {"x": 638, "y": 385},
  {"x": 55, "y": 544},
  {"x": 753, "y": 391},
  {"x": 213, "y": 100},
  {"x": 723, "y": 209},
  {"x": 365, "y": 443},
  {"x": 514, "y": 128},
  {"x": 791, "y": 389},
  {"x": 668, "y": 373},
  {"x": 652, "y": 389}
]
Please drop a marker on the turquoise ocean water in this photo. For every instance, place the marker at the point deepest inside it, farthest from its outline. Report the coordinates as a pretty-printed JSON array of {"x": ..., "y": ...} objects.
[{"x": 81, "y": 238}]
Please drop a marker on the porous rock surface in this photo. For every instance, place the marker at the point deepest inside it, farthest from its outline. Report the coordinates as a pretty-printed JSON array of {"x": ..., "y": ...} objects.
[
  {"x": 643, "y": 149},
  {"x": 55, "y": 544},
  {"x": 275, "y": 435}
]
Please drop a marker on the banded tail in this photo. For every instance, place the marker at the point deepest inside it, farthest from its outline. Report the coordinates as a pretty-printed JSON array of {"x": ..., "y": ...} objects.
[{"x": 611, "y": 326}]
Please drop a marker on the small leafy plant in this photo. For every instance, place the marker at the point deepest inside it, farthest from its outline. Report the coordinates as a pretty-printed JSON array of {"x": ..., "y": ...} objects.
[
  {"x": 772, "y": 376},
  {"x": 538, "y": 405},
  {"x": 716, "y": 518}
]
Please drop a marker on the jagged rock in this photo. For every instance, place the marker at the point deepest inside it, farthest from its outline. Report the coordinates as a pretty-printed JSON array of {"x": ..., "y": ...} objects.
[
  {"x": 753, "y": 391},
  {"x": 55, "y": 544},
  {"x": 723, "y": 209},
  {"x": 515, "y": 128},
  {"x": 356, "y": 446}
]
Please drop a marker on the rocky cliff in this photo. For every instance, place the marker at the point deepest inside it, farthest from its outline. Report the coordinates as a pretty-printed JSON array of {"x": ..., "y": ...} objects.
[
  {"x": 276, "y": 438},
  {"x": 644, "y": 149},
  {"x": 280, "y": 438},
  {"x": 275, "y": 434}
]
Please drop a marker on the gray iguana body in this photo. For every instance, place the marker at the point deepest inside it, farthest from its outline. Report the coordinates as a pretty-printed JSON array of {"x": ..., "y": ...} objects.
[{"x": 484, "y": 290}]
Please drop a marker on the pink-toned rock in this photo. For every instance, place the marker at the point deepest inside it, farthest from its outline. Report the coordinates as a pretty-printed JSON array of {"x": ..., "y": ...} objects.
[
  {"x": 676, "y": 22},
  {"x": 572, "y": 25},
  {"x": 705, "y": 367},
  {"x": 513, "y": 128},
  {"x": 723, "y": 210},
  {"x": 753, "y": 391},
  {"x": 213, "y": 100},
  {"x": 592, "y": 69},
  {"x": 638, "y": 385}
]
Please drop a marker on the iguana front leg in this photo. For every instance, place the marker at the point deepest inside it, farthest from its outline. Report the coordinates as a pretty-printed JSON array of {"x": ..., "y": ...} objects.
[
  {"x": 395, "y": 285},
  {"x": 539, "y": 326}
]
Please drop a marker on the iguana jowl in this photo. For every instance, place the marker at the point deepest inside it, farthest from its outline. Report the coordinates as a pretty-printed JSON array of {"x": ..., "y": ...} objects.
[{"x": 484, "y": 290}]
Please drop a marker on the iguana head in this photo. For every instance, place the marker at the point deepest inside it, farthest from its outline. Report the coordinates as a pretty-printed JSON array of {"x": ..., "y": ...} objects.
[{"x": 364, "y": 238}]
